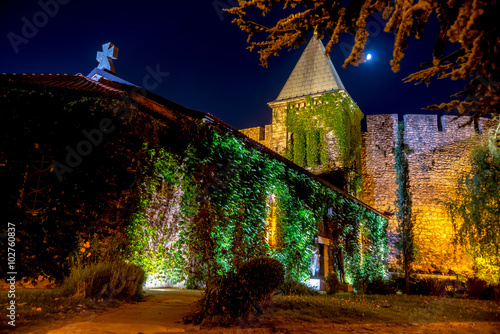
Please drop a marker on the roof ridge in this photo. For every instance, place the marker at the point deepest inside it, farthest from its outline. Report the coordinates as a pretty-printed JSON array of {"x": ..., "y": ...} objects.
[{"x": 100, "y": 84}]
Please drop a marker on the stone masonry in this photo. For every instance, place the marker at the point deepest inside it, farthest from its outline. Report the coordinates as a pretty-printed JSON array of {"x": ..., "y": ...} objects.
[{"x": 438, "y": 152}]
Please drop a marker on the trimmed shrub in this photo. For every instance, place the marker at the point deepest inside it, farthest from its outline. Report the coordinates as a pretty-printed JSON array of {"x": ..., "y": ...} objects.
[
  {"x": 381, "y": 287},
  {"x": 261, "y": 276},
  {"x": 115, "y": 279},
  {"x": 431, "y": 286},
  {"x": 332, "y": 283},
  {"x": 360, "y": 285},
  {"x": 235, "y": 295},
  {"x": 416, "y": 285},
  {"x": 495, "y": 292},
  {"x": 428, "y": 286}
]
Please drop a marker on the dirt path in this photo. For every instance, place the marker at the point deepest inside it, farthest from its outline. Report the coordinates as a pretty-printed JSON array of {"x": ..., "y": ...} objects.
[{"x": 162, "y": 310}]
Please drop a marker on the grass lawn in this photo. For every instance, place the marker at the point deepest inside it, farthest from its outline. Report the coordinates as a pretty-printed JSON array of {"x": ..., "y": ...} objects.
[
  {"x": 35, "y": 306},
  {"x": 392, "y": 309}
]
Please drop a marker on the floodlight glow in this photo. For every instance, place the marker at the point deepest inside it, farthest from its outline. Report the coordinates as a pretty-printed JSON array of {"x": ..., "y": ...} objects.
[{"x": 314, "y": 283}]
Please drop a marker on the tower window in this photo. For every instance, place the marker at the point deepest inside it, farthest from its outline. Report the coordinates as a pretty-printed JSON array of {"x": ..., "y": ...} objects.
[{"x": 262, "y": 133}]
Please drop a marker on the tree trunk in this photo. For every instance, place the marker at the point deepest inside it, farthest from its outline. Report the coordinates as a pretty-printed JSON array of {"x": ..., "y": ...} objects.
[{"x": 407, "y": 279}]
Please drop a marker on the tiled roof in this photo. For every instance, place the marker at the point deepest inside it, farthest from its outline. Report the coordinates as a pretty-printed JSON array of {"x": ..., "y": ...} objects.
[
  {"x": 86, "y": 85},
  {"x": 68, "y": 81},
  {"x": 314, "y": 73}
]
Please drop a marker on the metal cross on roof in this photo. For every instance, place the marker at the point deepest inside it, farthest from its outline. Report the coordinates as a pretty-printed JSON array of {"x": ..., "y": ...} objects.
[{"x": 109, "y": 52}]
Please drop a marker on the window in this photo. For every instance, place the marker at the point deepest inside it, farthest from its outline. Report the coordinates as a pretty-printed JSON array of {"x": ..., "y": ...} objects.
[{"x": 272, "y": 228}]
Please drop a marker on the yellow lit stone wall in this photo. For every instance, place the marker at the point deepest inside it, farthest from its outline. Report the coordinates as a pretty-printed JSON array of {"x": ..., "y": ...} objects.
[
  {"x": 439, "y": 151},
  {"x": 379, "y": 173},
  {"x": 275, "y": 135},
  {"x": 260, "y": 134},
  {"x": 433, "y": 175},
  {"x": 437, "y": 156}
]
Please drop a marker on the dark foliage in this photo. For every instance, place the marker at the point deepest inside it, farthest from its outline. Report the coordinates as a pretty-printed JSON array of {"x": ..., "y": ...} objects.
[
  {"x": 235, "y": 295},
  {"x": 95, "y": 195},
  {"x": 455, "y": 288},
  {"x": 480, "y": 289},
  {"x": 381, "y": 287},
  {"x": 117, "y": 280},
  {"x": 262, "y": 276},
  {"x": 432, "y": 286},
  {"x": 191, "y": 282},
  {"x": 332, "y": 283}
]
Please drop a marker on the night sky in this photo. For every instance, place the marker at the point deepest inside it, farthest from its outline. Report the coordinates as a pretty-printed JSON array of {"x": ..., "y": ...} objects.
[{"x": 209, "y": 67}]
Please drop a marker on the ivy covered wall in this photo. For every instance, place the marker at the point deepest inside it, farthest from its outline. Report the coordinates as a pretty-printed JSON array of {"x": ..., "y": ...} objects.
[
  {"x": 225, "y": 214},
  {"x": 323, "y": 134},
  {"x": 187, "y": 198}
]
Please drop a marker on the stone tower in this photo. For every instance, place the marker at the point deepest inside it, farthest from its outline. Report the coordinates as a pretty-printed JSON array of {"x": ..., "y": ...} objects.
[{"x": 312, "y": 76}]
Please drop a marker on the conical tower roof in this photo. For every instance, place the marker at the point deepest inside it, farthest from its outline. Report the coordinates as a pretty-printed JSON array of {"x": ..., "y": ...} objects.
[{"x": 314, "y": 73}]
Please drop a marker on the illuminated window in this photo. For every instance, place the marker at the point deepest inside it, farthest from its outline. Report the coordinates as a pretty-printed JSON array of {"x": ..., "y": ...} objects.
[{"x": 272, "y": 229}]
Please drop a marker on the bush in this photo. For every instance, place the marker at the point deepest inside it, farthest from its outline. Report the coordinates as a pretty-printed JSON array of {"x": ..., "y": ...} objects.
[
  {"x": 431, "y": 287},
  {"x": 381, "y": 287},
  {"x": 479, "y": 289},
  {"x": 360, "y": 284},
  {"x": 455, "y": 288},
  {"x": 295, "y": 288},
  {"x": 234, "y": 295},
  {"x": 191, "y": 282},
  {"x": 332, "y": 283},
  {"x": 115, "y": 279},
  {"x": 495, "y": 292},
  {"x": 262, "y": 275}
]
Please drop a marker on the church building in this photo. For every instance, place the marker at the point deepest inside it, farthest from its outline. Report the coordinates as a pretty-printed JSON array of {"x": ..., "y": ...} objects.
[{"x": 97, "y": 159}]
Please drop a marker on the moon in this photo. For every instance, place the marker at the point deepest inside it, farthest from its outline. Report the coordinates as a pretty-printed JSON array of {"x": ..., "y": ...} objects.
[{"x": 368, "y": 56}]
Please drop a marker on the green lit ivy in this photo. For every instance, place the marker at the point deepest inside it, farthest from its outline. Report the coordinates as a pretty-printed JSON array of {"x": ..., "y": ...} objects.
[
  {"x": 224, "y": 209},
  {"x": 310, "y": 122},
  {"x": 155, "y": 233}
]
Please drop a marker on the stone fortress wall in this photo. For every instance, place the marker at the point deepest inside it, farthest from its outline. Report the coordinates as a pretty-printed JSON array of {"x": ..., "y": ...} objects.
[{"x": 439, "y": 150}]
